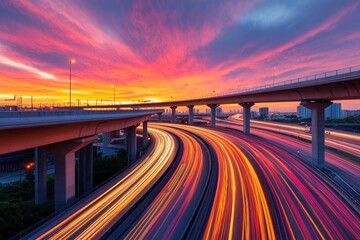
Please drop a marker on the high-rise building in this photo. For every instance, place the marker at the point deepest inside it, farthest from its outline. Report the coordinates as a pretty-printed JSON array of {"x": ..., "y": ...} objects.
[
  {"x": 253, "y": 114},
  {"x": 333, "y": 111},
  {"x": 303, "y": 112},
  {"x": 264, "y": 112}
]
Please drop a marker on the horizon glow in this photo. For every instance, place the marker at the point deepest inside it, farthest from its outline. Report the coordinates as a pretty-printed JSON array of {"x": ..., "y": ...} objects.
[{"x": 169, "y": 50}]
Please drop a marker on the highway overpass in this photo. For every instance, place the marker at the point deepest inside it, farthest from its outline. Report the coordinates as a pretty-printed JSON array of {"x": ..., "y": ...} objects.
[
  {"x": 315, "y": 92},
  {"x": 61, "y": 134}
]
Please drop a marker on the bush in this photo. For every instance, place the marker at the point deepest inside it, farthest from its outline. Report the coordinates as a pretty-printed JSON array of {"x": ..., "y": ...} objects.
[
  {"x": 11, "y": 219},
  {"x": 106, "y": 167}
]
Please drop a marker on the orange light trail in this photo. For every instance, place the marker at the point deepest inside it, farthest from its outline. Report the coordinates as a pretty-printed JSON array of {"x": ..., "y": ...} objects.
[
  {"x": 175, "y": 204},
  {"x": 95, "y": 217}
]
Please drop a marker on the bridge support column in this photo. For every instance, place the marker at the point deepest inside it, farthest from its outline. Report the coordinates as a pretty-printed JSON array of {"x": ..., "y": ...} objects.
[
  {"x": 173, "y": 113},
  {"x": 85, "y": 170},
  {"x": 64, "y": 159},
  {"x": 317, "y": 130},
  {"x": 213, "y": 113},
  {"x": 246, "y": 116},
  {"x": 191, "y": 114},
  {"x": 40, "y": 176},
  {"x": 159, "y": 117},
  {"x": 131, "y": 143},
  {"x": 145, "y": 133},
  {"x": 106, "y": 139}
]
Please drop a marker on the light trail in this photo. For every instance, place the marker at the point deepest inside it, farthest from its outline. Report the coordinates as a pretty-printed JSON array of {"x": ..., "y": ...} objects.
[
  {"x": 263, "y": 191},
  {"x": 347, "y": 142},
  {"x": 347, "y": 168},
  {"x": 306, "y": 206},
  {"x": 239, "y": 208},
  {"x": 170, "y": 213},
  {"x": 274, "y": 125},
  {"x": 93, "y": 219}
]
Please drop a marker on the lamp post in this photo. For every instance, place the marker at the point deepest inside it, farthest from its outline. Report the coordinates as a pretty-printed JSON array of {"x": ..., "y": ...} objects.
[
  {"x": 113, "y": 86},
  {"x": 72, "y": 61}
]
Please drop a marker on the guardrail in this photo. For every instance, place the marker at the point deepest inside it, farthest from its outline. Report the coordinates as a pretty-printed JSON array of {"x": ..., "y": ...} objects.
[
  {"x": 51, "y": 113},
  {"x": 324, "y": 75},
  {"x": 343, "y": 72}
]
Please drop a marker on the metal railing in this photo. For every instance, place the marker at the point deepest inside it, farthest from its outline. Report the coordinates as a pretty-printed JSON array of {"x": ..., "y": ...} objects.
[
  {"x": 343, "y": 72},
  {"x": 318, "y": 76}
]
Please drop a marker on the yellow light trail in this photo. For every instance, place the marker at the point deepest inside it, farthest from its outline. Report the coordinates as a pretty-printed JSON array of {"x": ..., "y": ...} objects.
[
  {"x": 177, "y": 195},
  {"x": 240, "y": 207},
  {"x": 99, "y": 214}
]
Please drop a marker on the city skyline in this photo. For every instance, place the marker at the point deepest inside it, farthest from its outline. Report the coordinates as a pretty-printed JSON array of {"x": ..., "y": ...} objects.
[{"x": 171, "y": 50}]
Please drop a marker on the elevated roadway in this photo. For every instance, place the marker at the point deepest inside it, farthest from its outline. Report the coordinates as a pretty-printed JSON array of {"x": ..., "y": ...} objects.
[
  {"x": 23, "y": 130},
  {"x": 61, "y": 134},
  {"x": 315, "y": 92}
]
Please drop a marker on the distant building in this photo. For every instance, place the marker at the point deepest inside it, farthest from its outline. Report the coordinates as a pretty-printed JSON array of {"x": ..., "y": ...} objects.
[
  {"x": 303, "y": 112},
  {"x": 218, "y": 112},
  {"x": 333, "y": 111},
  {"x": 264, "y": 112},
  {"x": 9, "y": 108},
  {"x": 253, "y": 114},
  {"x": 350, "y": 113}
]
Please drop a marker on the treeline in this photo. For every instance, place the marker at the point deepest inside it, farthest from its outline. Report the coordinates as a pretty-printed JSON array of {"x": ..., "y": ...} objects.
[{"x": 353, "y": 119}]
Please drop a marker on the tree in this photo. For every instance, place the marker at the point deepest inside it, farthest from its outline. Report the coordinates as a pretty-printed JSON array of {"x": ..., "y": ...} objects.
[{"x": 11, "y": 219}]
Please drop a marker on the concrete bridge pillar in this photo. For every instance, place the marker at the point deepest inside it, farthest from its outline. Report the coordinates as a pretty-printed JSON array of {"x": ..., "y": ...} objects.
[
  {"x": 173, "y": 113},
  {"x": 317, "y": 130},
  {"x": 159, "y": 117},
  {"x": 85, "y": 169},
  {"x": 246, "y": 116},
  {"x": 213, "y": 113},
  {"x": 131, "y": 143},
  {"x": 106, "y": 139},
  {"x": 145, "y": 133},
  {"x": 191, "y": 114},
  {"x": 40, "y": 176},
  {"x": 64, "y": 159}
]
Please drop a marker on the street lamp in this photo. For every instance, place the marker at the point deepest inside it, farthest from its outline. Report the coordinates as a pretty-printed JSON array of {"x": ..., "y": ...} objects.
[
  {"x": 113, "y": 86},
  {"x": 72, "y": 61}
]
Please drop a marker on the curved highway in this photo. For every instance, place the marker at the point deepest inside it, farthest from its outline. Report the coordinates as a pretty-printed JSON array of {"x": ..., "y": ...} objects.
[
  {"x": 225, "y": 185},
  {"x": 262, "y": 191},
  {"x": 185, "y": 200},
  {"x": 347, "y": 142},
  {"x": 304, "y": 204},
  {"x": 347, "y": 171},
  {"x": 91, "y": 219},
  {"x": 239, "y": 207}
]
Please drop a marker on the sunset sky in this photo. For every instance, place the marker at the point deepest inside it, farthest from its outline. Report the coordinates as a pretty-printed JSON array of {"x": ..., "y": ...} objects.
[{"x": 155, "y": 50}]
